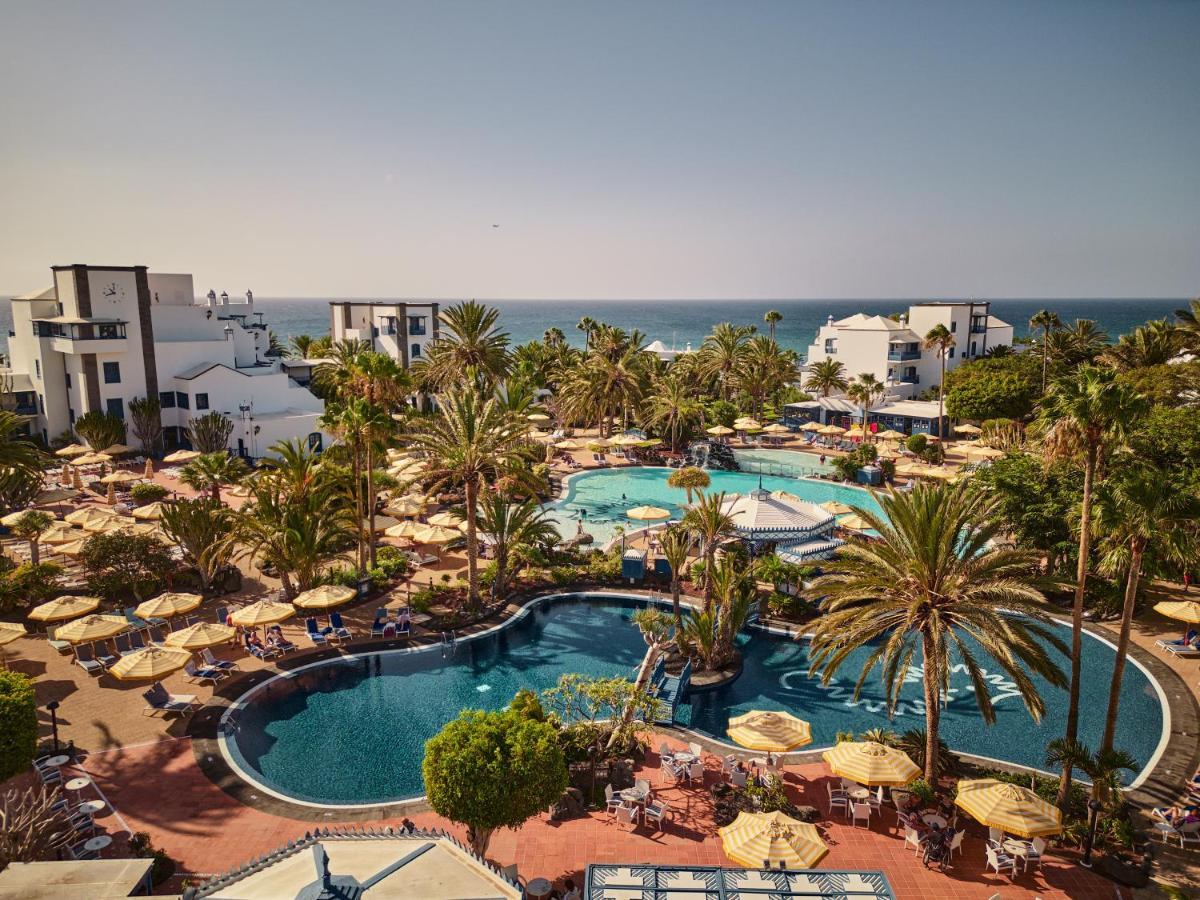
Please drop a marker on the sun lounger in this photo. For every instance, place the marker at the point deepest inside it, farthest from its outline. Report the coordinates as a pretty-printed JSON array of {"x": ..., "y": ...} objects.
[
  {"x": 339, "y": 629},
  {"x": 85, "y": 659},
  {"x": 314, "y": 633},
  {"x": 222, "y": 615},
  {"x": 60, "y": 646},
  {"x": 135, "y": 640},
  {"x": 263, "y": 653},
  {"x": 1186, "y": 650},
  {"x": 103, "y": 655},
  {"x": 378, "y": 626},
  {"x": 159, "y": 700},
  {"x": 121, "y": 642},
  {"x": 212, "y": 662},
  {"x": 132, "y": 618},
  {"x": 155, "y": 634},
  {"x": 1179, "y": 642},
  {"x": 195, "y": 673}
]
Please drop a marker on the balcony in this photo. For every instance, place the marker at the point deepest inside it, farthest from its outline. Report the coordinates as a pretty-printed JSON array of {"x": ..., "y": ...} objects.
[
  {"x": 75, "y": 335},
  {"x": 979, "y": 326},
  {"x": 416, "y": 329},
  {"x": 906, "y": 355}
]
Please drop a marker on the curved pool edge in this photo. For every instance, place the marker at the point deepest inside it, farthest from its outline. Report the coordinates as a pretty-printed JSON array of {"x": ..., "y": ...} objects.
[{"x": 1154, "y": 781}]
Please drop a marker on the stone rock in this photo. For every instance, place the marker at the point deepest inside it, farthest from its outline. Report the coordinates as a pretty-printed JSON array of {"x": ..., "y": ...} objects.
[{"x": 569, "y": 806}]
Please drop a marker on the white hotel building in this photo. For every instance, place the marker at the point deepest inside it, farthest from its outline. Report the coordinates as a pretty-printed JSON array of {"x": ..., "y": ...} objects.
[
  {"x": 103, "y": 335},
  {"x": 892, "y": 350},
  {"x": 403, "y": 330}
]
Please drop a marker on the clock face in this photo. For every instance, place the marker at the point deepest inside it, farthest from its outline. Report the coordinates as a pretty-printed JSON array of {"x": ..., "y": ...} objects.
[{"x": 113, "y": 293}]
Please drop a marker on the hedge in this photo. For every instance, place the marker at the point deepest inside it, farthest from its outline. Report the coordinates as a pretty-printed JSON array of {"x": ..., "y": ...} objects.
[{"x": 18, "y": 723}]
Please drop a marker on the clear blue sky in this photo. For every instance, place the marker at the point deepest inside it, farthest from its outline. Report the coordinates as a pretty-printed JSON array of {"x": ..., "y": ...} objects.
[{"x": 625, "y": 149}]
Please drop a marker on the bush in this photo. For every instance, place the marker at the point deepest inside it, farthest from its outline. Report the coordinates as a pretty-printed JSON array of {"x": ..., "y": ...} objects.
[
  {"x": 141, "y": 848},
  {"x": 561, "y": 575},
  {"x": 28, "y": 585},
  {"x": 123, "y": 563},
  {"x": 18, "y": 723},
  {"x": 917, "y": 443},
  {"x": 147, "y": 492},
  {"x": 788, "y": 606},
  {"x": 605, "y": 566}
]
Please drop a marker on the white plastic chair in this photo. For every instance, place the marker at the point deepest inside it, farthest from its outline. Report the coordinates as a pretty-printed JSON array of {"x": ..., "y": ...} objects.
[
  {"x": 912, "y": 839},
  {"x": 860, "y": 811},
  {"x": 956, "y": 843},
  {"x": 996, "y": 834},
  {"x": 837, "y": 797},
  {"x": 612, "y": 801},
  {"x": 738, "y": 777},
  {"x": 696, "y": 772},
  {"x": 643, "y": 785},
  {"x": 656, "y": 812},
  {"x": 627, "y": 815},
  {"x": 695, "y": 749},
  {"x": 664, "y": 752},
  {"x": 1000, "y": 862}
]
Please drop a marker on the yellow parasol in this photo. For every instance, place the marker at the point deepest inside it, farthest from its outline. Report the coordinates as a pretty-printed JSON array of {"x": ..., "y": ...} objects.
[
  {"x": 405, "y": 530},
  {"x": 836, "y": 507},
  {"x": 180, "y": 456},
  {"x": 72, "y": 450},
  {"x": 537, "y": 417},
  {"x": 436, "y": 534},
  {"x": 10, "y": 631},
  {"x": 854, "y": 523},
  {"x": 71, "y": 548},
  {"x": 120, "y": 478},
  {"x": 626, "y": 440},
  {"x": 108, "y": 526},
  {"x": 773, "y": 731},
  {"x": 1009, "y": 807},
  {"x": 149, "y": 664},
  {"x": 92, "y": 459},
  {"x": 773, "y": 837},
  {"x": 1180, "y": 610},
  {"x": 66, "y": 607},
  {"x": 719, "y": 430},
  {"x": 811, "y": 426},
  {"x": 784, "y": 495},
  {"x": 855, "y": 431},
  {"x": 13, "y": 517},
  {"x": 446, "y": 519},
  {"x": 262, "y": 612},
  {"x": 967, "y": 429},
  {"x": 776, "y": 428},
  {"x": 648, "y": 513},
  {"x": 984, "y": 452},
  {"x": 151, "y": 512},
  {"x": 831, "y": 430},
  {"x": 116, "y": 450},
  {"x": 93, "y": 627},
  {"x": 404, "y": 507},
  {"x": 200, "y": 635},
  {"x": 326, "y": 596},
  {"x": 748, "y": 424},
  {"x": 88, "y": 514},
  {"x": 867, "y": 762},
  {"x": 568, "y": 444},
  {"x": 166, "y": 605},
  {"x": 891, "y": 435}
]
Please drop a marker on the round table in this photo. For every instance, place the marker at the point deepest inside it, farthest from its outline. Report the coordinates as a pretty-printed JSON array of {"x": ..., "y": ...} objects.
[
  {"x": 60, "y": 760},
  {"x": 684, "y": 757},
  {"x": 538, "y": 888},
  {"x": 934, "y": 819},
  {"x": 91, "y": 807},
  {"x": 78, "y": 784},
  {"x": 633, "y": 795},
  {"x": 860, "y": 794},
  {"x": 97, "y": 844}
]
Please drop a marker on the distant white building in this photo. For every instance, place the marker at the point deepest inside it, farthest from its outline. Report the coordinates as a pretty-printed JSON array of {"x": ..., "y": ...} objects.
[
  {"x": 892, "y": 350},
  {"x": 104, "y": 335},
  {"x": 402, "y": 330}
]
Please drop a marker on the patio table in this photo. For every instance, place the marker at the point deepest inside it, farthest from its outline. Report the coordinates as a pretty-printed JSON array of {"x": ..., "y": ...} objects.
[
  {"x": 538, "y": 888},
  {"x": 60, "y": 760},
  {"x": 934, "y": 819},
  {"x": 97, "y": 844}
]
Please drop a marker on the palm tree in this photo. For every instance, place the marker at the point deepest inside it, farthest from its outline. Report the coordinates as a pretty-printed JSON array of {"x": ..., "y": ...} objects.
[
  {"x": 933, "y": 583},
  {"x": 209, "y": 433},
  {"x": 1152, "y": 344},
  {"x": 764, "y": 369},
  {"x": 469, "y": 442},
  {"x": 361, "y": 424},
  {"x": 674, "y": 409},
  {"x": 302, "y": 345},
  {"x": 735, "y": 590},
  {"x": 509, "y": 525},
  {"x": 1145, "y": 518},
  {"x": 826, "y": 376},
  {"x": 334, "y": 378},
  {"x": 100, "y": 429},
  {"x": 711, "y": 524},
  {"x": 940, "y": 340},
  {"x": 689, "y": 479},
  {"x": 721, "y": 354},
  {"x": 199, "y": 528},
  {"x": 1084, "y": 413},
  {"x": 18, "y": 454},
  {"x": 587, "y": 325},
  {"x": 469, "y": 347},
  {"x": 656, "y": 630},
  {"x": 1078, "y": 345},
  {"x": 677, "y": 547},
  {"x": 209, "y": 471},
  {"x": 772, "y": 317},
  {"x": 1189, "y": 325},
  {"x": 1047, "y": 320},
  {"x": 1102, "y": 768},
  {"x": 29, "y": 527},
  {"x": 866, "y": 391},
  {"x": 293, "y": 467}
]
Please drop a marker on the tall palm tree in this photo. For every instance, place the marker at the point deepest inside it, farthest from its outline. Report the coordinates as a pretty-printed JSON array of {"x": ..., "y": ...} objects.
[
  {"x": 361, "y": 425},
  {"x": 301, "y": 345},
  {"x": 469, "y": 442},
  {"x": 587, "y": 325},
  {"x": 866, "y": 390},
  {"x": 711, "y": 524},
  {"x": 735, "y": 590},
  {"x": 334, "y": 377},
  {"x": 209, "y": 471},
  {"x": 1153, "y": 344},
  {"x": 764, "y": 369},
  {"x": 689, "y": 479},
  {"x": 1077, "y": 345},
  {"x": 470, "y": 347},
  {"x": 30, "y": 527},
  {"x": 940, "y": 340},
  {"x": 1103, "y": 768},
  {"x": 721, "y": 354},
  {"x": 1084, "y": 414},
  {"x": 674, "y": 409},
  {"x": 1189, "y": 325},
  {"x": 933, "y": 583},
  {"x": 1148, "y": 522},
  {"x": 509, "y": 525},
  {"x": 677, "y": 547},
  {"x": 772, "y": 317},
  {"x": 1047, "y": 320},
  {"x": 826, "y": 376},
  {"x": 293, "y": 466}
]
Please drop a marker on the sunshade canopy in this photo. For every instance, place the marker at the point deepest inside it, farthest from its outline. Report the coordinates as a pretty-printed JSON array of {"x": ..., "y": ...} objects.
[
  {"x": 169, "y": 604},
  {"x": 967, "y": 429},
  {"x": 811, "y": 426},
  {"x": 867, "y": 762},
  {"x": 180, "y": 456},
  {"x": 1180, "y": 610},
  {"x": 538, "y": 417},
  {"x": 854, "y": 523},
  {"x": 776, "y": 428},
  {"x": 648, "y": 513},
  {"x": 775, "y": 837},
  {"x": 436, "y": 534},
  {"x": 832, "y": 429},
  {"x": 326, "y": 596},
  {"x": 768, "y": 730},
  {"x": 72, "y": 450},
  {"x": 262, "y": 612},
  {"x": 836, "y": 507},
  {"x": 1009, "y": 807},
  {"x": 65, "y": 607},
  {"x": 10, "y": 631},
  {"x": 150, "y": 512},
  {"x": 569, "y": 445},
  {"x": 719, "y": 430},
  {"x": 446, "y": 519},
  {"x": 405, "y": 530},
  {"x": 120, "y": 478},
  {"x": 88, "y": 514},
  {"x": 149, "y": 664},
  {"x": 92, "y": 627},
  {"x": 200, "y": 635},
  {"x": 891, "y": 435},
  {"x": 92, "y": 459}
]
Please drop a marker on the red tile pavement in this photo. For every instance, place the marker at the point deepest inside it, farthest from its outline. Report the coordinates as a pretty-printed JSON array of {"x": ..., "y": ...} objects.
[{"x": 158, "y": 788}]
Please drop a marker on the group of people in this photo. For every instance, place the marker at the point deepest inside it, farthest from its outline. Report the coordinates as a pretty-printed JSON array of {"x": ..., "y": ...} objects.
[
  {"x": 275, "y": 640},
  {"x": 933, "y": 837}
]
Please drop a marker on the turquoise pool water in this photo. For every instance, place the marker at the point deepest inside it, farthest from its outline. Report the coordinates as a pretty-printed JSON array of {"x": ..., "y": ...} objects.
[
  {"x": 352, "y": 731},
  {"x": 599, "y": 499},
  {"x": 774, "y": 461}
]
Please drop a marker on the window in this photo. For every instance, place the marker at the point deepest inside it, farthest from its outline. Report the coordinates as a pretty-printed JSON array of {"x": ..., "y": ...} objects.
[
  {"x": 973, "y": 350},
  {"x": 41, "y": 404},
  {"x": 416, "y": 351},
  {"x": 112, "y": 373},
  {"x": 37, "y": 367},
  {"x": 202, "y": 401},
  {"x": 166, "y": 399},
  {"x": 70, "y": 415},
  {"x": 181, "y": 400},
  {"x": 67, "y": 375},
  {"x": 116, "y": 407},
  {"x": 416, "y": 325},
  {"x": 953, "y": 326},
  {"x": 952, "y": 353},
  {"x": 315, "y": 441},
  {"x": 831, "y": 346}
]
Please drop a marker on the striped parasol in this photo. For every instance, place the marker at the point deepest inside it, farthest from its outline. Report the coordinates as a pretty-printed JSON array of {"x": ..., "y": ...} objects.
[
  {"x": 1009, "y": 807},
  {"x": 774, "y": 839},
  {"x": 66, "y": 607},
  {"x": 200, "y": 635},
  {"x": 867, "y": 762},
  {"x": 94, "y": 627},
  {"x": 262, "y": 612},
  {"x": 10, "y": 631},
  {"x": 149, "y": 664},
  {"x": 151, "y": 512},
  {"x": 169, "y": 604},
  {"x": 326, "y": 596},
  {"x": 776, "y": 732}
]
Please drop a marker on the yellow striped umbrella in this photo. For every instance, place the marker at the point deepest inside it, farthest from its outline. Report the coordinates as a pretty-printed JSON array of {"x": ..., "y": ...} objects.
[
  {"x": 200, "y": 635},
  {"x": 82, "y": 517},
  {"x": 120, "y": 478},
  {"x": 150, "y": 663},
  {"x": 180, "y": 456},
  {"x": 71, "y": 548},
  {"x": 811, "y": 426},
  {"x": 404, "y": 507},
  {"x": 967, "y": 429},
  {"x": 867, "y": 762},
  {"x": 94, "y": 627},
  {"x": 116, "y": 450},
  {"x": 92, "y": 459},
  {"x": 719, "y": 430},
  {"x": 10, "y": 631},
  {"x": 836, "y": 507},
  {"x": 150, "y": 512},
  {"x": 832, "y": 429},
  {"x": 326, "y": 596},
  {"x": 262, "y": 612},
  {"x": 61, "y": 533},
  {"x": 169, "y": 604},
  {"x": 1009, "y": 807},
  {"x": 568, "y": 444},
  {"x": 109, "y": 525},
  {"x": 776, "y": 428},
  {"x": 854, "y": 523},
  {"x": 436, "y": 534},
  {"x": 446, "y": 519},
  {"x": 891, "y": 435},
  {"x": 65, "y": 607},
  {"x": 980, "y": 452},
  {"x": 777, "y": 732},
  {"x": 648, "y": 513},
  {"x": 1180, "y": 610},
  {"x": 72, "y": 450},
  {"x": 773, "y": 837},
  {"x": 405, "y": 530}
]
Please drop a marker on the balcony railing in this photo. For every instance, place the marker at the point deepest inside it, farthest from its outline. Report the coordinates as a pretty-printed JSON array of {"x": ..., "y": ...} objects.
[
  {"x": 416, "y": 330},
  {"x": 978, "y": 328},
  {"x": 79, "y": 332},
  {"x": 903, "y": 355}
]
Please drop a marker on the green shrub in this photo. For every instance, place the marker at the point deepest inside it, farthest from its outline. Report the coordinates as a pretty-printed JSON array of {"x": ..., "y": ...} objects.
[
  {"x": 787, "y": 606},
  {"x": 561, "y": 575},
  {"x": 28, "y": 585},
  {"x": 605, "y": 566},
  {"x": 147, "y": 492},
  {"x": 917, "y": 443},
  {"x": 141, "y": 848},
  {"x": 922, "y": 790},
  {"x": 18, "y": 723}
]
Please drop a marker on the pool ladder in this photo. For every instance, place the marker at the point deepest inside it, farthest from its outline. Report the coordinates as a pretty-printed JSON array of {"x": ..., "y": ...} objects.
[{"x": 449, "y": 644}]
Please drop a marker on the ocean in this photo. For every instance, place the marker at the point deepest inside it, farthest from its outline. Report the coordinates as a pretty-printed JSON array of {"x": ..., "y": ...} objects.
[{"x": 678, "y": 323}]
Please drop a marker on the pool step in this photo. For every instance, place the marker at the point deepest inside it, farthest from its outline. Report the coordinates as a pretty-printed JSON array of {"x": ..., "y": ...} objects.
[{"x": 670, "y": 690}]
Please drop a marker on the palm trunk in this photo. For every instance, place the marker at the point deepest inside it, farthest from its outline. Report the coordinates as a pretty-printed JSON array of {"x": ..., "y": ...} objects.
[
  {"x": 34, "y": 551},
  {"x": 1114, "y": 690},
  {"x": 472, "y": 499},
  {"x": 1085, "y": 549},
  {"x": 356, "y": 471},
  {"x": 933, "y": 711},
  {"x": 639, "y": 684},
  {"x": 370, "y": 506},
  {"x": 942, "y": 403},
  {"x": 216, "y": 491},
  {"x": 709, "y": 561}
]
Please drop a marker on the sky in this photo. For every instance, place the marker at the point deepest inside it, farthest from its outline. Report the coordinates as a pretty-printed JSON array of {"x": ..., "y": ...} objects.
[{"x": 625, "y": 150}]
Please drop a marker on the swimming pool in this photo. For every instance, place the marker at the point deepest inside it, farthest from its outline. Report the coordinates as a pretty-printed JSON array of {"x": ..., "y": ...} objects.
[
  {"x": 352, "y": 731},
  {"x": 598, "y": 499},
  {"x": 789, "y": 463}
]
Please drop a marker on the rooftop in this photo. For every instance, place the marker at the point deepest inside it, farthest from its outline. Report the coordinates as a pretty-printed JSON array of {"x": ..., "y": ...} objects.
[
  {"x": 637, "y": 882},
  {"x": 94, "y": 879}
]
